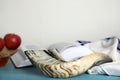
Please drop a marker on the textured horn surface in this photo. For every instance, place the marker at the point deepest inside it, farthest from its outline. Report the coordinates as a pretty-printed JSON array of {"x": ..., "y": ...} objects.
[{"x": 53, "y": 67}]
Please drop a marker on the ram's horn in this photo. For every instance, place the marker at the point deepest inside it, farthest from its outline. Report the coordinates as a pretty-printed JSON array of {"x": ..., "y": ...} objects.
[{"x": 60, "y": 69}]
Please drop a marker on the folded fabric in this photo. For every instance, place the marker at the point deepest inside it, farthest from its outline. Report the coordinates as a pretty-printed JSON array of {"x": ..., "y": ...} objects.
[
  {"x": 74, "y": 53},
  {"x": 111, "y": 69},
  {"x": 107, "y": 46},
  {"x": 111, "y": 47}
]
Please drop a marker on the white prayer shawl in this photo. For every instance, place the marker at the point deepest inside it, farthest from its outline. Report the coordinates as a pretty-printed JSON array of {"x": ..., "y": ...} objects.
[{"x": 109, "y": 46}]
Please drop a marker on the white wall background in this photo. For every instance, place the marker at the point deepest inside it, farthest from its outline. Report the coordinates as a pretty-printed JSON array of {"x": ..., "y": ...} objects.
[{"x": 49, "y": 21}]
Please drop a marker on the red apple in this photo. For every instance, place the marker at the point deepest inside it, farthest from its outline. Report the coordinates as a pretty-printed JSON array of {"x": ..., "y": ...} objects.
[
  {"x": 1, "y": 44},
  {"x": 12, "y": 41}
]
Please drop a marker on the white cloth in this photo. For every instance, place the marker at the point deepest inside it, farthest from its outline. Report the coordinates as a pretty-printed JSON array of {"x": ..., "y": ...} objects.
[
  {"x": 106, "y": 46},
  {"x": 74, "y": 53},
  {"x": 109, "y": 47},
  {"x": 112, "y": 69}
]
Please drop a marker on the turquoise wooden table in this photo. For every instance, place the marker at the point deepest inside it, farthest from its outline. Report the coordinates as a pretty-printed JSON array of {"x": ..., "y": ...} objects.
[{"x": 31, "y": 73}]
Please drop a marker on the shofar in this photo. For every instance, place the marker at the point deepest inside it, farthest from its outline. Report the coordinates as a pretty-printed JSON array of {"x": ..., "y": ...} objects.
[{"x": 60, "y": 69}]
